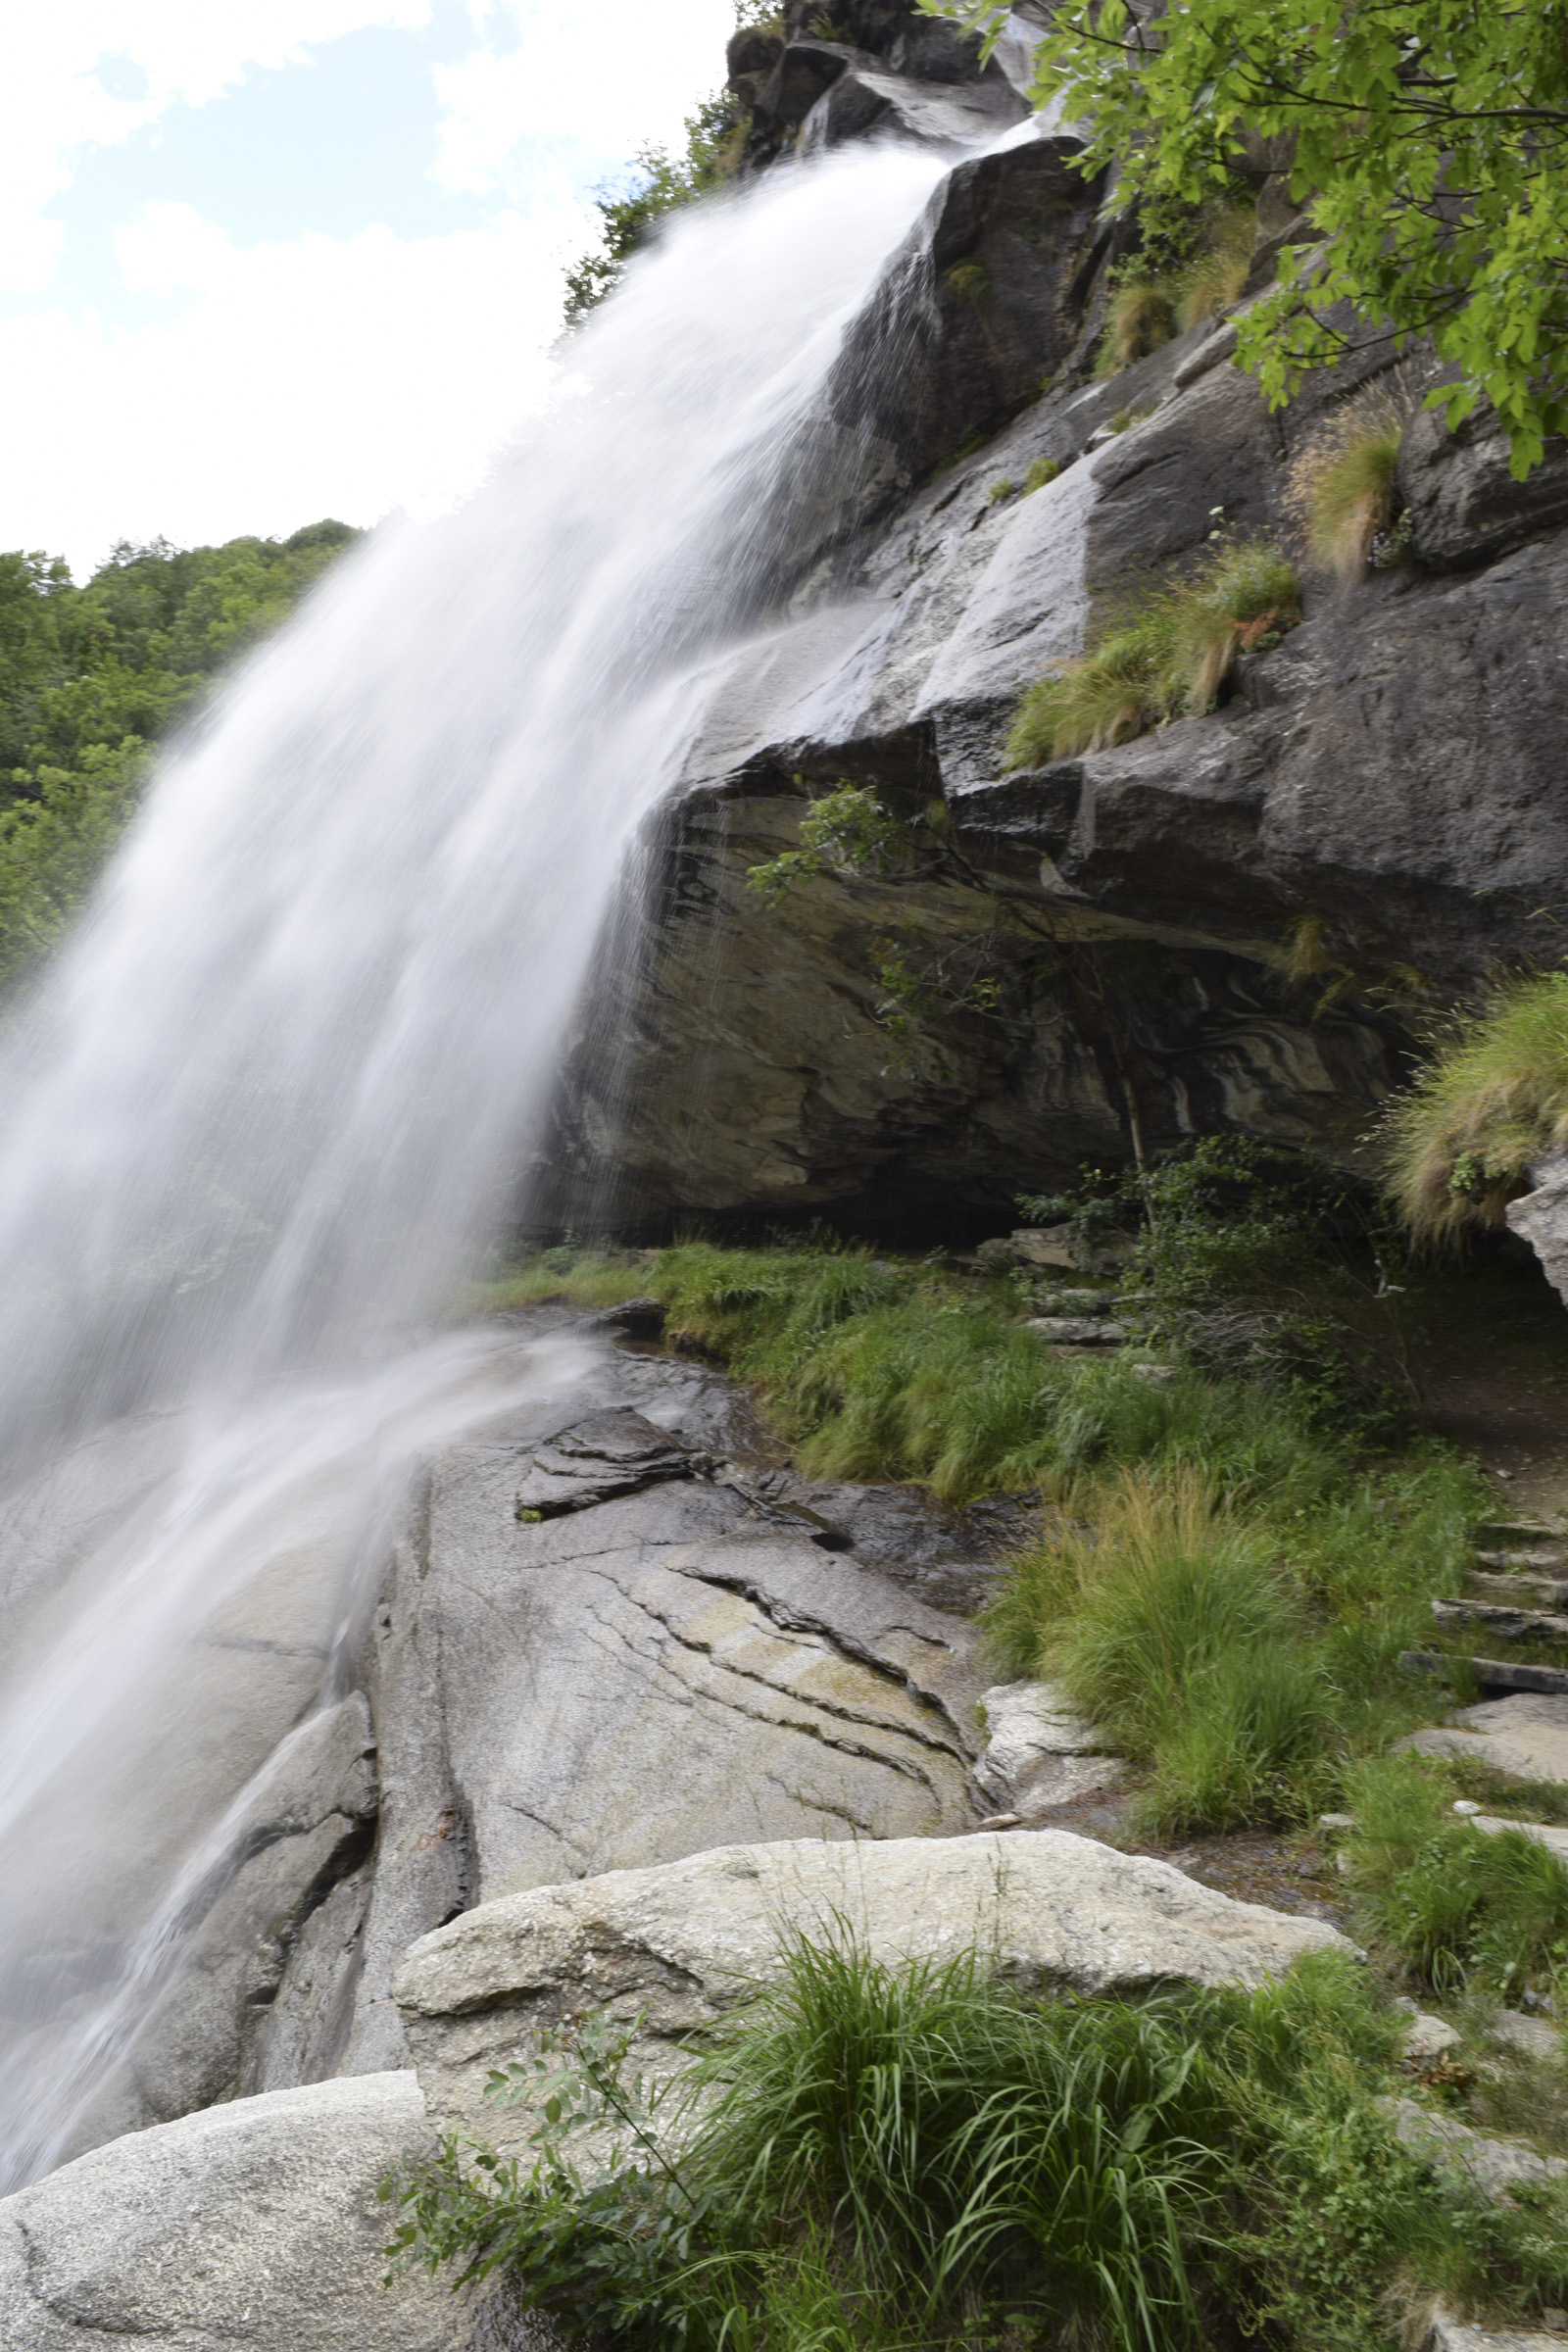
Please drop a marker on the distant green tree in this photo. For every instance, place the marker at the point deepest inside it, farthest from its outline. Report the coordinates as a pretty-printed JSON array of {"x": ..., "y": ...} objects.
[
  {"x": 91, "y": 677},
  {"x": 716, "y": 136}
]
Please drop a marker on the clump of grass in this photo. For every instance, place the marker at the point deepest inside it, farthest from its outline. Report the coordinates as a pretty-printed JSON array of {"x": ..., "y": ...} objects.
[
  {"x": 1150, "y": 306},
  {"x": 1042, "y": 471},
  {"x": 1171, "y": 656},
  {"x": 1141, "y": 315},
  {"x": 1000, "y": 490},
  {"x": 1462, "y": 1907},
  {"x": 1214, "y": 276},
  {"x": 910, "y": 2157},
  {"x": 1339, "y": 488},
  {"x": 1459, "y": 1142},
  {"x": 577, "y": 1274},
  {"x": 878, "y": 1370},
  {"x": 1167, "y": 1620}
]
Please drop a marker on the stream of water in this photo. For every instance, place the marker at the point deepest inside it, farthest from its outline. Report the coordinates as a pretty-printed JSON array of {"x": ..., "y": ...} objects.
[{"x": 270, "y": 1101}]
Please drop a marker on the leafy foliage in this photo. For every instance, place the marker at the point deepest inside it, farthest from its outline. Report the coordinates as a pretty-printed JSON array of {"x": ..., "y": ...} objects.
[
  {"x": 1173, "y": 654},
  {"x": 91, "y": 677},
  {"x": 1427, "y": 139},
  {"x": 845, "y": 832},
  {"x": 1459, "y": 1140}
]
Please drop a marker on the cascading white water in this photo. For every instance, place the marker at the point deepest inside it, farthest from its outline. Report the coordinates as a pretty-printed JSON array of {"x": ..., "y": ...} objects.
[{"x": 269, "y": 1101}]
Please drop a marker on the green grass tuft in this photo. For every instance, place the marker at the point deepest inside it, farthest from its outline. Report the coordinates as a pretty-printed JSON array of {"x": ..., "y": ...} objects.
[
  {"x": 1458, "y": 1143},
  {"x": 1042, "y": 471},
  {"x": 910, "y": 2157},
  {"x": 1173, "y": 655},
  {"x": 1461, "y": 1906}
]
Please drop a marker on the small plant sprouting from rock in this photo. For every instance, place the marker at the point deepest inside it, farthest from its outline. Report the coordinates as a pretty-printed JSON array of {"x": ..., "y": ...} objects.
[
  {"x": 1000, "y": 490},
  {"x": 1312, "y": 956},
  {"x": 1459, "y": 1142},
  {"x": 846, "y": 832},
  {"x": 1187, "y": 273},
  {"x": 1341, "y": 485},
  {"x": 1170, "y": 656},
  {"x": 1042, "y": 472}
]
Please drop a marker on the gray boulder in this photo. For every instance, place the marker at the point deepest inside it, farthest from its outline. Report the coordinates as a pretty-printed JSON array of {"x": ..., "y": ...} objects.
[
  {"x": 679, "y": 1945},
  {"x": 1039, "y": 1750},
  {"x": 1465, "y": 506},
  {"x": 252, "y": 2223},
  {"x": 1540, "y": 1218}
]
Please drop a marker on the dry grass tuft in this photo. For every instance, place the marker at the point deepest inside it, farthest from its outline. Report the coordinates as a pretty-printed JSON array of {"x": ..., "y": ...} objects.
[
  {"x": 1142, "y": 315},
  {"x": 1339, "y": 488},
  {"x": 1459, "y": 1140},
  {"x": 1214, "y": 276}
]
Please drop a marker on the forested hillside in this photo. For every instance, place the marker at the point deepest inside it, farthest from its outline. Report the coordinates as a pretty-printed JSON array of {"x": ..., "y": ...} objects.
[{"x": 91, "y": 677}]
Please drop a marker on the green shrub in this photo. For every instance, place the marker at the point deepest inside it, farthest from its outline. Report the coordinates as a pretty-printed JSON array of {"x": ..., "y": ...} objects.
[
  {"x": 1042, "y": 471},
  {"x": 998, "y": 490},
  {"x": 1458, "y": 1143},
  {"x": 1340, "y": 487},
  {"x": 1172, "y": 654}
]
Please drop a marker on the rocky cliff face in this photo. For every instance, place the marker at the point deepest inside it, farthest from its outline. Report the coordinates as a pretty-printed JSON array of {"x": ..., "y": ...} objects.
[{"x": 1388, "y": 780}]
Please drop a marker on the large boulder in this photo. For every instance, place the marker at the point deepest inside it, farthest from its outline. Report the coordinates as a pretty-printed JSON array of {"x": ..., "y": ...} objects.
[
  {"x": 255, "y": 2224},
  {"x": 652, "y": 1669},
  {"x": 677, "y": 1947}
]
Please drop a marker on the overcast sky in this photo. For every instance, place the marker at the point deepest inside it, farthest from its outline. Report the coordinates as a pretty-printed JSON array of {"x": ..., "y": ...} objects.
[{"x": 264, "y": 260}]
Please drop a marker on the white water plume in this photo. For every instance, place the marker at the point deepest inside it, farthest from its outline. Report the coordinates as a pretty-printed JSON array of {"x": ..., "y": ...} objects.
[{"x": 271, "y": 1099}]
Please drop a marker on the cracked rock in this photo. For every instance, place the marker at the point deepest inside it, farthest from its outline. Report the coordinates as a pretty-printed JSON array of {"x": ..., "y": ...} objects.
[{"x": 606, "y": 1454}]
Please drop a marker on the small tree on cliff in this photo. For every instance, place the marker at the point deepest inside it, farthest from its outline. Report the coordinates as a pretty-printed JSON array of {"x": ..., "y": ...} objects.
[{"x": 1430, "y": 145}]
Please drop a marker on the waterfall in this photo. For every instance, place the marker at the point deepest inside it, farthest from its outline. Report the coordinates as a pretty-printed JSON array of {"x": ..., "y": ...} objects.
[{"x": 270, "y": 1103}]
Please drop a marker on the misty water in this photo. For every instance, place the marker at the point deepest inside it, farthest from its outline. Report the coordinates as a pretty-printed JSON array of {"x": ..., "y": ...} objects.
[{"x": 273, "y": 1102}]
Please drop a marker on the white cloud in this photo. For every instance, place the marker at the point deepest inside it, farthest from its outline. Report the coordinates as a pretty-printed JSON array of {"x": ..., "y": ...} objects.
[
  {"x": 503, "y": 109},
  {"x": 53, "y": 105},
  {"x": 225, "y": 388},
  {"x": 300, "y": 379}
]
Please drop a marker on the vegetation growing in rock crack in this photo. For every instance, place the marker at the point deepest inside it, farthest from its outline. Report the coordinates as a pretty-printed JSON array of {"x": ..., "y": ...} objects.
[
  {"x": 1195, "y": 269},
  {"x": 1459, "y": 1142},
  {"x": 1425, "y": 143},
  {"x": 1339, "y": 488},
  {"x": 911, "y": 2155},
  {"x": 1170, "y": 653}
]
